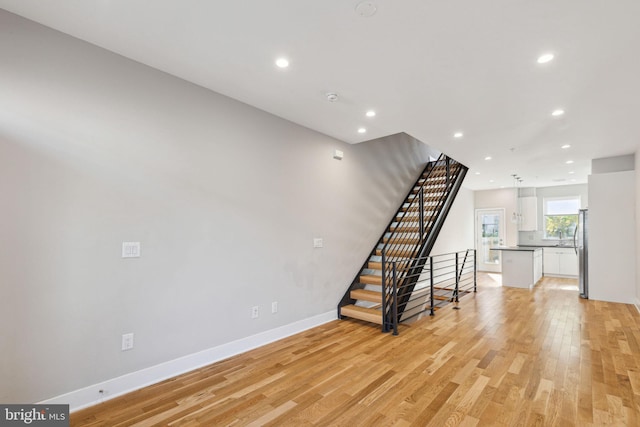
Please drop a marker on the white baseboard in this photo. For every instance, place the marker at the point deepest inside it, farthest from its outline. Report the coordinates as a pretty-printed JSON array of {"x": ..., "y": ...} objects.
[
  {"x": 637, "y": 304},
  {"x": 89, "y": 396}
]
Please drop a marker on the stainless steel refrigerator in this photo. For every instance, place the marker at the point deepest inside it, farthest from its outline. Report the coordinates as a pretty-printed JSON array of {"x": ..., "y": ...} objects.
[{"x": 581, "y": 243}]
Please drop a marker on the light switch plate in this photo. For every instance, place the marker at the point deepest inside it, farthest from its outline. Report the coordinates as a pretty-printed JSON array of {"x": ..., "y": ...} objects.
[
  {"x": 317, "y": 242},
  {"x": 130, "y": 249}
]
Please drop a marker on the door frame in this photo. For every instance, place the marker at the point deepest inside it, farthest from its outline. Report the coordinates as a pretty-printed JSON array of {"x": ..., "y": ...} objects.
[{"x": 501, "y": 232}]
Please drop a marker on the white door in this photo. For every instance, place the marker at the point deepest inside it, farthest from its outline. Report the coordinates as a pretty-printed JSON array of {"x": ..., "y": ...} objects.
[{"x": 489, "y": 234}]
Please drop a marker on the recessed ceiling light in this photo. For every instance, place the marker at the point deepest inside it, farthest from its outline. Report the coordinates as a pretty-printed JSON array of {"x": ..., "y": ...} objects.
[
  {"x": 491, "y": 181},
  {"x": 361, "y": 130},
  {"x": 458, "y": 135},
  {"x": 477, "y": 173},
  {"x": 557, "y": 113},
  {"x": 571, "y": 172},
  {"x": 543, "y": 59},
  {"x": 488, "y": 158},
  {"x": 371, "y": 113},
  {"x": 565, "y": 146},
  {"x": 282, "y": 62},
  {"x": 569, "y": 162}
]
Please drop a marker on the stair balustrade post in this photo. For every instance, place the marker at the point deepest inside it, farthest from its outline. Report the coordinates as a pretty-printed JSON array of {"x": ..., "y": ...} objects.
[
  {"x": 383, "y": 291},
  {"x": 431, "y": 284},
  {"x": 394, "y": 302},
  {"x": 447, "y": 170},
  {"x": 457, "y": 289},
  {"x": 475, "y": 269},
  {"x": 421, "y": 212}
]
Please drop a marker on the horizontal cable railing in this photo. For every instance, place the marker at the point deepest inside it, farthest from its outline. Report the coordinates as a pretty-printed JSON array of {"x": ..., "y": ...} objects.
[{"x": 412, "y": 292}]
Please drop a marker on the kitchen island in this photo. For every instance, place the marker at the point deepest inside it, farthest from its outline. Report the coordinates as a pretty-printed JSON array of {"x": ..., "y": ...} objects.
[{"x": 521, "y": 266}]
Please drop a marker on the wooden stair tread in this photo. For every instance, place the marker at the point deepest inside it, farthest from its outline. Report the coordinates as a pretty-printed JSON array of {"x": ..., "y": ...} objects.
[
  {"x": 442, "y": 297},
  {"x": 396, "y": 253},
  {"x": 402, "y": 240},
  {"x": 362, "y": 313},
  {"x": 377, "y": 265},
  {"x": 366, "y": 295},
  {"x": 405, "y": 229},
  {"x": 374, "y": 265},
  {"x": 370, "y": 279}
]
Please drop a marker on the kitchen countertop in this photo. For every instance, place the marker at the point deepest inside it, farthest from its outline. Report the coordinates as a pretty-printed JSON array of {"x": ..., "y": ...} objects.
[
  {"x": 516, "y": 248},
  {"x": 547, "y": 246}
]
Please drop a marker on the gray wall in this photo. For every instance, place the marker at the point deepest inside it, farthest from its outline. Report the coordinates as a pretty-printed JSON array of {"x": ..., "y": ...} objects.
[
  {"x": 637, "y": 234},
  {"x": 613, "y": 164},
  {"x": 225, "y": 199}
]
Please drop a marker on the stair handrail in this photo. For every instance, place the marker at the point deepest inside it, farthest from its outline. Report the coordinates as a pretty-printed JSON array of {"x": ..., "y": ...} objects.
[
  {"x": 391, "y": 288},
  {"x": 395, "y": 241}
]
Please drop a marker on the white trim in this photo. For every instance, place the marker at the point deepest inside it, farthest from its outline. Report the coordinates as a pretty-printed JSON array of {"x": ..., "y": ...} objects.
[
  {"x": 89, "y": 396},
  {"x": 637, "y": 304}
]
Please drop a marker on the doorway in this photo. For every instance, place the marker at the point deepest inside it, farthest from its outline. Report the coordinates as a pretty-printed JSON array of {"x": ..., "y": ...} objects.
[{"x": 489, "y": 233}]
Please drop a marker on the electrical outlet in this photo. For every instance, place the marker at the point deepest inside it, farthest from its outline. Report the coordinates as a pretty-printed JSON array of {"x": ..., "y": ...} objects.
[
  {"x": 274, "y": 307},
  {"x": 127, "y": 341},
  {"x": 317, "y": 242},
  {"x": 255, "y": 312}
]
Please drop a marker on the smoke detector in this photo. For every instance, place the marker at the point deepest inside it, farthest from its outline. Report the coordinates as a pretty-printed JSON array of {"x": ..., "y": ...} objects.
[
  {"x": 366, "y": 9},
  {"x": 332, "y": 97}
]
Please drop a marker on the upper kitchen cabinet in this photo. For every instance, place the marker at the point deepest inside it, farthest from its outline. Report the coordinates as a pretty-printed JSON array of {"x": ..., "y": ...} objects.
[{"x": 528, "y": 213}]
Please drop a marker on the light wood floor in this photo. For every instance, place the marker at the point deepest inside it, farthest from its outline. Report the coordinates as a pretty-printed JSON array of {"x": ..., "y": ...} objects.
[{"x": 507, "y": 357}]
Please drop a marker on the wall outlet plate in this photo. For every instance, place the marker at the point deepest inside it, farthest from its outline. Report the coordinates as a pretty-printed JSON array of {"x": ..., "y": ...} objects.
[{"x": 127, "y": 341}]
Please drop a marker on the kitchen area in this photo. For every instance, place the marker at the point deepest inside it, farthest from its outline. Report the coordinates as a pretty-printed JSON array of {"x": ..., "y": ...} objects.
[
  {"x": 521, "y": 227},
  {"x": 548, "y": 226}
]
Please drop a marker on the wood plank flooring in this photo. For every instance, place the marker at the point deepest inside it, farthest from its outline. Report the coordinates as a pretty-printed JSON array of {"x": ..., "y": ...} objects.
[{"x": 507, "y": 357}]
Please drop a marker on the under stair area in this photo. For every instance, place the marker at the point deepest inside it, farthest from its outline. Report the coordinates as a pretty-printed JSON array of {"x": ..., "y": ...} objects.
[{"x": 400, "y": 259}]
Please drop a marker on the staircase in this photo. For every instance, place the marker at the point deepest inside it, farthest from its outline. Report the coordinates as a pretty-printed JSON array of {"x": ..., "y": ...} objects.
[{"x": 407, "y": 240}]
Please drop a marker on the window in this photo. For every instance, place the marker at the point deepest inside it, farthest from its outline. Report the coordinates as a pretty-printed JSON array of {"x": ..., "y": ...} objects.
[{"x": 560, "y": 217}]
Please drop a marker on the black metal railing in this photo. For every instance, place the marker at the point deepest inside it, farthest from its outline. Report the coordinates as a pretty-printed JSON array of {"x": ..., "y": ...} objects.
[
  {"x": 442, "y": 280},
  {"x": 416, "y": 217},
  {"x": 409, "y": 237},
  {"x": 406, "y": 233},
  {"x": 418, "y": 223}
]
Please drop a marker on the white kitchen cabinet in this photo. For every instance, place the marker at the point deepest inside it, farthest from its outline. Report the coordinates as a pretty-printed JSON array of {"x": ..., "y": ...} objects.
[
  {"x": 568, "y": 262},
  {"x": 551, "y": 262},
  {"x": 560, "y": 262},
  {"x": 529, "y": 213},
  {"x": 521, "y": 267},
  {"x": 537, "y": 265}
]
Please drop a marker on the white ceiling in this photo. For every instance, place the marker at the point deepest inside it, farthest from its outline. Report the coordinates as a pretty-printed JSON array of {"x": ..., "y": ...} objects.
[{"x": 428, "y": 68}]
